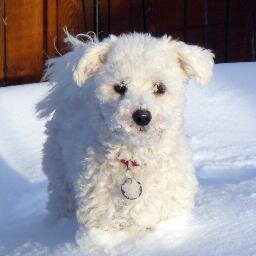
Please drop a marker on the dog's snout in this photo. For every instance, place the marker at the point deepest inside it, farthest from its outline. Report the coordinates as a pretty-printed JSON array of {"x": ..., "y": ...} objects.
[{"x": 141, "y": 117}]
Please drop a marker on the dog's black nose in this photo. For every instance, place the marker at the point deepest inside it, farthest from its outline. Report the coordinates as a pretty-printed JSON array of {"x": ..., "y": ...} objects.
[{"x": 141, "y": 117}]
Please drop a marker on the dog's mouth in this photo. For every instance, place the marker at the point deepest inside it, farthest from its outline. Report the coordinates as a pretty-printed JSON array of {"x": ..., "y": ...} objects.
[
  {"x": 132, "y": 128},
  {"x": 142, "y": 129},
  {"x": 138, "y": 136}
]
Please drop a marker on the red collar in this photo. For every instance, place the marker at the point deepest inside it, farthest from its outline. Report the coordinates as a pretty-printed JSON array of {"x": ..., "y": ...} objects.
[{"x": 129, "y": 163}]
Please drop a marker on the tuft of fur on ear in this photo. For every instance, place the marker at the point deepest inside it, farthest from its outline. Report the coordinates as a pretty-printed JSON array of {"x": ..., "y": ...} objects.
[
  {"x": 66, "y": 72},
  {"x": 93, "y": 57},
  {"x": 195, "y": 61}
]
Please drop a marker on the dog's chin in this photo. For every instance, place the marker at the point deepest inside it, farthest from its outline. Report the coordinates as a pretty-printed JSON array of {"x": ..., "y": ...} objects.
[{"x": 137, "y": 136}]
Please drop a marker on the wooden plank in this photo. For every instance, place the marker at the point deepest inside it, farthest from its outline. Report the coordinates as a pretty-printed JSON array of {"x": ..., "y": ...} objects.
[
  {"x": 136, "y": 15},
  {"x": 217, "y": 11},
  {"x": 195, "y": 12},
  {"x": 254, "y": 31},
  {"x": 196, "y": 36},
  {"x": 125, "y": 16},
  {"x": 2, "y": 43},
  {"x": 51, "y": 28},
  {"x": 104, "y": 28},
  {"x": 70, "y": 15},
  {"x": 177, "y": 34},
  {"x": 240, "y": 31},
  {"x": 24, "y": 41},
  {"x": 205, "y": 12},
  {"x": 215, "y": 35},
  {"x": 216, "y": 42},
  {"x": 195, "y": 22},
  {"x": 88, "y": 6},
  {"x": 164, "y": 16},
  {"x": 206, "y": 25}
]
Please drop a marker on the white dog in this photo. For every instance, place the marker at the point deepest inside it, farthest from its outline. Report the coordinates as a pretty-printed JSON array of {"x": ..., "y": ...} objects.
[{"x": 116, "y": 154}]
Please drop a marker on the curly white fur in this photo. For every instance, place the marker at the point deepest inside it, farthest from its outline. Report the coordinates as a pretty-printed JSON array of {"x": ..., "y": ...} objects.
[{"x": 91, "y": 130}]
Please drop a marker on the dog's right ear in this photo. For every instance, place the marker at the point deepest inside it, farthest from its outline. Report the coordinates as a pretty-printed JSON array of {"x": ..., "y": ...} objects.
[
  {"x": 93, "y": 57},
  {"x": 194, "y": 61}
]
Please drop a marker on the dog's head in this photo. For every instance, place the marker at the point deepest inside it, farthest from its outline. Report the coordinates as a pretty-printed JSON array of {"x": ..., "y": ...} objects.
[{"x": 140, "y": 83}]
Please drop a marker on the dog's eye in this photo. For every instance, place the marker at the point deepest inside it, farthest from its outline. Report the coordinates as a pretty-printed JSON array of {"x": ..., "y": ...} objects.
[
  {"x": 120, "y": 88},
  {"x": 159, "y": 88}
]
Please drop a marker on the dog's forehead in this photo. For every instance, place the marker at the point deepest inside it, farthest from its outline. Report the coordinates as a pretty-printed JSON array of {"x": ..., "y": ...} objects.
[
  {"x": 140, "y": 51},
  {"x": 140, "y": 59}
]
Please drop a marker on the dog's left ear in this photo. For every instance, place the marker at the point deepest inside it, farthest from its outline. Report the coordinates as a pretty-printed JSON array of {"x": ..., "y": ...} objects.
[
  {"x": 195, "y": 61},
  {"x": 93, "y": 57}
]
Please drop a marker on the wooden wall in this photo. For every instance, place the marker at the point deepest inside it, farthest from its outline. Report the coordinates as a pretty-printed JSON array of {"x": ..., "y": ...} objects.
[{"x": 30, "y": 28}]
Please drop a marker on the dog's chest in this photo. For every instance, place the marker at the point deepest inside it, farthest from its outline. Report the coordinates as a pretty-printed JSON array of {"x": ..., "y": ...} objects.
[
  {"x": 160, "y": 175},
  {"x": 143, "y": 173}
]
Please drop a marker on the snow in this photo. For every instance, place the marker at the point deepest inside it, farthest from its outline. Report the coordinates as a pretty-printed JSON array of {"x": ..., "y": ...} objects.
[{"x": 221, "y": 125}]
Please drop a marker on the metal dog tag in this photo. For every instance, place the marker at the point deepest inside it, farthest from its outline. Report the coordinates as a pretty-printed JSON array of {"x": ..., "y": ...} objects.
[{"x": 131, "y": 189}]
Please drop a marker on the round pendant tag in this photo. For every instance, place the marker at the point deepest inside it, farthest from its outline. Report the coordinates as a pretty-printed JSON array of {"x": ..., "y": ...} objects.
[{"x": 131, "y": 189}]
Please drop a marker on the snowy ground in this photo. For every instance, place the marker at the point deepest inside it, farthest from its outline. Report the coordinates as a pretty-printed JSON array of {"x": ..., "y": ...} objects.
[{"x": 221, "y": 125}]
